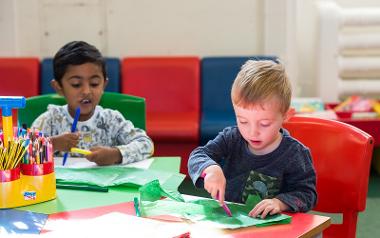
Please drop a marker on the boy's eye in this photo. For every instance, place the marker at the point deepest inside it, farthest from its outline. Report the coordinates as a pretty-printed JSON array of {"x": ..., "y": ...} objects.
[
  {"x": 75, "y": 85},
  {"x": 94, "y": 85},
  {"x": 243, "y": 122},
  {"x": 265, "y": 125}
]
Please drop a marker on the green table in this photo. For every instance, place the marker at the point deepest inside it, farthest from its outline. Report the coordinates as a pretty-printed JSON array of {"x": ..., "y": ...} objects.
[{"x": 68, "y": 200}]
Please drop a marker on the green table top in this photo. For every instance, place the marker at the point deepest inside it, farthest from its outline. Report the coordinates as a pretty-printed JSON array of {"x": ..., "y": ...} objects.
[{"x": 68, "y": 200}]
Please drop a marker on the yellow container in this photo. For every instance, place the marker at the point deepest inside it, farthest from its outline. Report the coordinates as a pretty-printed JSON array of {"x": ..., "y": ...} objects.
[{"x": 27, "y": 185}]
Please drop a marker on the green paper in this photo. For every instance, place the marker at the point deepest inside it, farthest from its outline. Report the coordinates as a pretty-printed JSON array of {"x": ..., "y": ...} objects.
[
  {"x": 152, "y": 191},
  {"x": 109, "y": 176},
  {"x": 173, "y": 182},
  {"x": 203, "y": 210},
  {"x": 252, "y": 200},
  {"x": 209, "y": 211},
  {"x": 167, "y": 164}
]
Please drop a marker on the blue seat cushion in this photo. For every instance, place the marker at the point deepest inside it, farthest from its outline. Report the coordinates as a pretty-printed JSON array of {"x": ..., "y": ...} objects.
[
  {"x": 218, "y": 74},
  {"x": 113, "y": 74}
]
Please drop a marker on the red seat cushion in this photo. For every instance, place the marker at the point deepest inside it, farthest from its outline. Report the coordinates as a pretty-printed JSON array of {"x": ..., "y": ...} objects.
[{"x": 166, "y": 126}]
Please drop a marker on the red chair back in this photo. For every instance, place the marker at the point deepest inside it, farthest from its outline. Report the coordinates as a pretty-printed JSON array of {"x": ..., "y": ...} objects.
[
  {"x": 342, "y": 157},
  {"x": 19, "y": 76},
  {"x": 171, "y": 88},
  {"x": 169, "y": 84}
]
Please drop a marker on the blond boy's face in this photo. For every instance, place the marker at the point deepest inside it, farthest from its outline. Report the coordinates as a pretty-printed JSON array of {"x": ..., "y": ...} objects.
[
  {"x": 82, "y": 86},
  {"x": 260, "y": 125}
]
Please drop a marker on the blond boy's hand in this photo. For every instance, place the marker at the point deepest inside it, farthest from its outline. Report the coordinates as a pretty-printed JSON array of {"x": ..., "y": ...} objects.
[
  {"x": 215, "y": 182},
  {"x": 102, "y": 155},
  {"x": 268, "y": 206},
  {"x": 65, "y": 142}
]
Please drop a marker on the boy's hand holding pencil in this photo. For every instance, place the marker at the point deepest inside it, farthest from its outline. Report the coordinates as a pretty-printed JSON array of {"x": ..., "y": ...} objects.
[
  {"x": 215, "y": 184},
  {"x": 65, "y": 141},
  {"x": 102, "y": 155}
]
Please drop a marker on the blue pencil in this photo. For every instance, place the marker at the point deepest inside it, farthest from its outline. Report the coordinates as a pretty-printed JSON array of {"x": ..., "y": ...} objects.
[{"x": 73, "y": 128}]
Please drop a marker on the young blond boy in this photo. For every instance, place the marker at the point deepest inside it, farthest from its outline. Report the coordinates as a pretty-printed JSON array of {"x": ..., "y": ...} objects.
[{"x": 258, "y": 156}]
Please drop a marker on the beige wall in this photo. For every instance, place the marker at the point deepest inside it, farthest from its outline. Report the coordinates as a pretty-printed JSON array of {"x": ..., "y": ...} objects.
[
  {"x": 144, "y": 27},
  {"x": 287, "y": 28}
]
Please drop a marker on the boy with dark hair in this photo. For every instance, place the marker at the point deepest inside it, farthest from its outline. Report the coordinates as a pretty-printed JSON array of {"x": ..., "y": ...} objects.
[{"x": 80, "y": 76}]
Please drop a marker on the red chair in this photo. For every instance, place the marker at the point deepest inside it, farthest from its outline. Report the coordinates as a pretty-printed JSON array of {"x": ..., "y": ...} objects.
[
  {"x": 19, "y": 77},
  {"x": 342, "y": 157},
  {"x": 171, "y": 88}
]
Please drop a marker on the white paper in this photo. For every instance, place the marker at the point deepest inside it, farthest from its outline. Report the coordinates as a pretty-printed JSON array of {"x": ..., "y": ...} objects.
[{"x": 114, "y": 223}]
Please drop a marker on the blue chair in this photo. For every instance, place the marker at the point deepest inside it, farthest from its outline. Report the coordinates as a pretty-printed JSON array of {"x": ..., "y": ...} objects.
[
  {"x": 217, "y": 74},
  {"x": 113, "y": 74}
]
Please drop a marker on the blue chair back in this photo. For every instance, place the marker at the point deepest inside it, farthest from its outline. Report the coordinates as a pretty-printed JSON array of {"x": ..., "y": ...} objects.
[
  {"x": 217, "y": 74},
  {"x": 113, "y": 74}
]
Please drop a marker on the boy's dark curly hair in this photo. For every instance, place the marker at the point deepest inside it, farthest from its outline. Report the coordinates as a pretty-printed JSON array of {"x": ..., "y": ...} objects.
[{"x": 76, "y": 53}]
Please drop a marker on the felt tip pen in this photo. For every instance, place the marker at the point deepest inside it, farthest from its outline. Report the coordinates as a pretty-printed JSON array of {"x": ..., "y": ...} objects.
[
  {"x": 84, "y": 187},
  {"x": 80, "y": 151},
  {"x": 137, "y": 207},
  {"x": 73, "y": 128},
  {"x": 224, "y": 206}
]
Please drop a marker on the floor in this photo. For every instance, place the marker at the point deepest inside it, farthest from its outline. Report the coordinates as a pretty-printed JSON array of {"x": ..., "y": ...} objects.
[{"x": 369, "y": 220}]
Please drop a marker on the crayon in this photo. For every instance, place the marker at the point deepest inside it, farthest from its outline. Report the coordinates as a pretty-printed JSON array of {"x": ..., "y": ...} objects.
[{"x": 80, "y": 151}]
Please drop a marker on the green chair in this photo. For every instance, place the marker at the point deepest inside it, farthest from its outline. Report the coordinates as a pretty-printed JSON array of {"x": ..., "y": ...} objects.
[{"x": 132, "y": 107}]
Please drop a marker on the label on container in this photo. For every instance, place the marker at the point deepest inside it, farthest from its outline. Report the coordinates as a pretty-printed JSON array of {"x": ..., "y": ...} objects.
[{"x": 30, "y": 195}]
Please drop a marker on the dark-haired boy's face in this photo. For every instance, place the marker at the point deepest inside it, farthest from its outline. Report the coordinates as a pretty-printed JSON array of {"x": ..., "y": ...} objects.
[{"x": 82, "y": 86}]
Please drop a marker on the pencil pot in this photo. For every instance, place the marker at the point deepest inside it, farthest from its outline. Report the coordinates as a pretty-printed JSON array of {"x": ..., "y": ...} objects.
[
  {"x": 35, "y": 184},
  {"x": 38, "y": 183},
  {"x": 10, "y": 184},
  {"x": 37, "y": 169}
]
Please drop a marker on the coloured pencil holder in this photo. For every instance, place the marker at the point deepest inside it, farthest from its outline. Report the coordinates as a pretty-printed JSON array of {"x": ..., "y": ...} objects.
[
  {"x": 26, "y": 161},
  {"x": 27, "y": 184}
]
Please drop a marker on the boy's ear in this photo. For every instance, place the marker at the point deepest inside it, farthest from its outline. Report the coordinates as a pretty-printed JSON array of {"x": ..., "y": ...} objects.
[
  {"x": 56, "y": 86},
  {"x": 290, "y": 113},
  {"x": 105, "y": 83}
]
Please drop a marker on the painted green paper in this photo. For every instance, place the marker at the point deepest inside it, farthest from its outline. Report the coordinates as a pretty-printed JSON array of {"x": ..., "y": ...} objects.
[
  {"x": 152, "y": 191},
  {"x": 110, "y": 176},
  {"x": 203, "y": 210}
]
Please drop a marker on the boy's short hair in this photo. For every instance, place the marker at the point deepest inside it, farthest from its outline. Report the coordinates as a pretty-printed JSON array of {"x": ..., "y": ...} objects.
[
  {"x": 76, "y": 53},
  {"x": 260, "y": 80}
]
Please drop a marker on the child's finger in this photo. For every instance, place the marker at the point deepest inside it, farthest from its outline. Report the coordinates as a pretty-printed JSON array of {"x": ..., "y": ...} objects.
[
  {"x": 257, "y": 210},
  {"x": 266, "y": 211},
  {"x": 220, "y": 196},
  {"x": 214, "y": 193}
]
